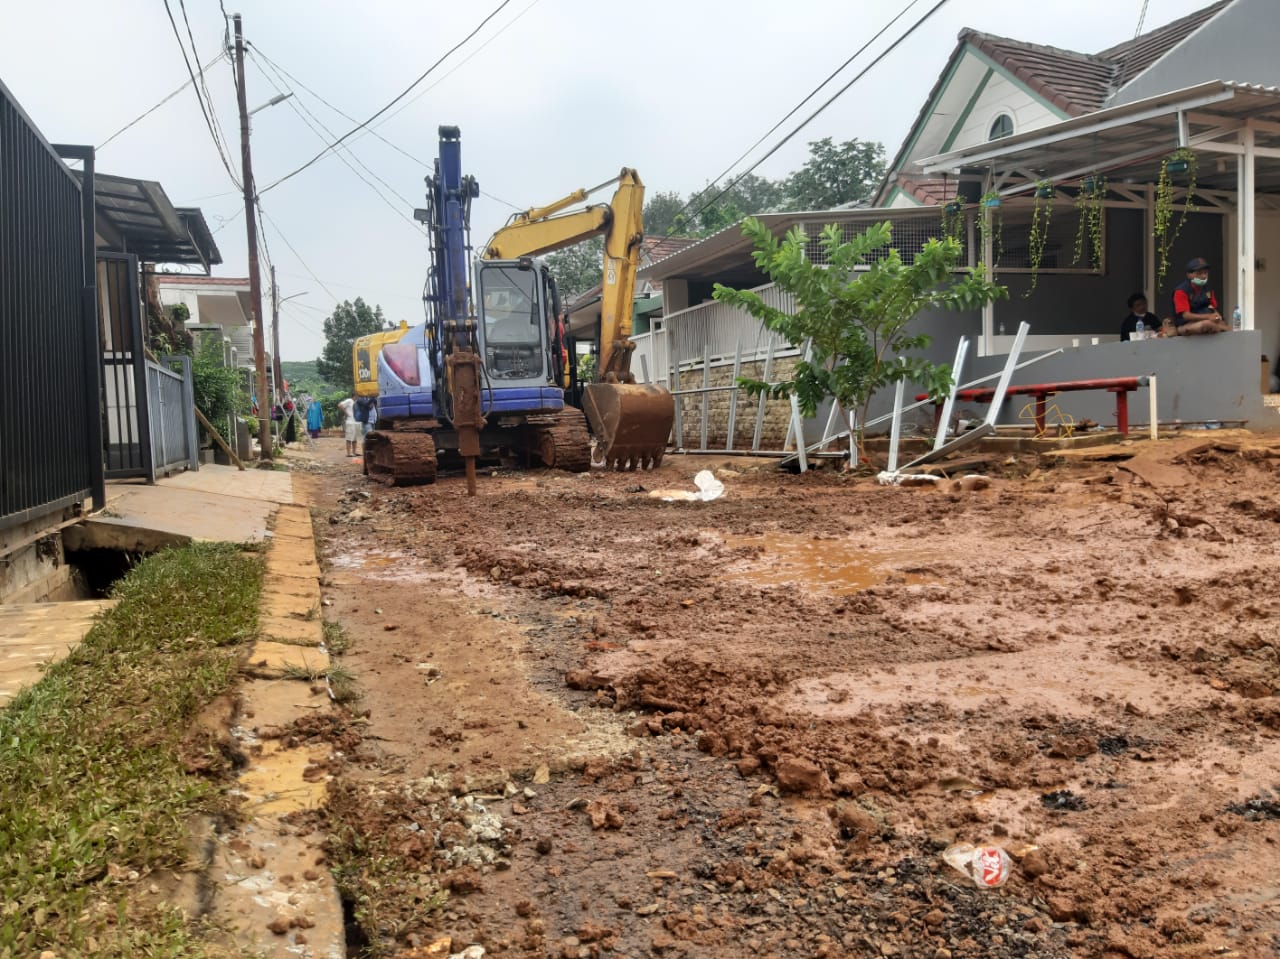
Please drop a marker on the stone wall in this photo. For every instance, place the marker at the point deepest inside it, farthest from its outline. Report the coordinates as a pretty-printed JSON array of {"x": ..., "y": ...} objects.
[{"x": 777, "y": 413}]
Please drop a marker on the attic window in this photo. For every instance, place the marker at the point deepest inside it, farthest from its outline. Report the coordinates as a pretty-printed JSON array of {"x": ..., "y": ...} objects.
[{"x": 1001, "y": 126}]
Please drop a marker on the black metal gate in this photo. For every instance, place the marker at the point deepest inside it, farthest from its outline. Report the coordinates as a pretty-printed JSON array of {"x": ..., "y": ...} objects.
[
  {"x": 126, "y": 422},
  {"x": 50, "y": 447}
]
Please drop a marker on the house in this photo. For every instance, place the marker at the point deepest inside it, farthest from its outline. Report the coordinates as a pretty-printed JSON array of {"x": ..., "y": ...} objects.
[
  {"x": 1013, "y": 131},
  {"x": 219, "y": 313}
]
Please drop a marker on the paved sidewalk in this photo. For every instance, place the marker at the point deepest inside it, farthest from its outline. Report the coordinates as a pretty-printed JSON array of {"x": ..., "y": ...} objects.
[{"x": 213, "y": 503}]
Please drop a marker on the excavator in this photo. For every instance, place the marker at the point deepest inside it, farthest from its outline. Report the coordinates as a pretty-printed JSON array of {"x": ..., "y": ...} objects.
[{"x": 486, "y": 376}]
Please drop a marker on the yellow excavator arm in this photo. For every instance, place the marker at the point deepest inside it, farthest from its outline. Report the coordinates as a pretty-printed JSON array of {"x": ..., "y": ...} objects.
[{"x": 632, "y": 422}]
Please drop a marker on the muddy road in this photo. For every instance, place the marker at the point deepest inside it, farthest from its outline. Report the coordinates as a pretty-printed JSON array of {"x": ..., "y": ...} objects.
[{"x": 596, "y": 723}]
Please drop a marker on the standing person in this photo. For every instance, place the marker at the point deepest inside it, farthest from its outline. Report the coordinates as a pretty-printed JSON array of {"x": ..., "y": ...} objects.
[
  {"x": 366, "y": 413},
  {"x": 315, "y": 418},
  {"x": 1138, "y": 311},
  {"x": 350, "y": 428},
  {"x": 1195, "y": 307}
]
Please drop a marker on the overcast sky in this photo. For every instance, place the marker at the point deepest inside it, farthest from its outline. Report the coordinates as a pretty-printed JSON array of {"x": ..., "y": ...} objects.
[{"x": 551, "y": 95}]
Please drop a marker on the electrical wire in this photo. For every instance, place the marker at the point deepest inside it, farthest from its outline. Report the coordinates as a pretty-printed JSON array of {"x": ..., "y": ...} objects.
[
  {"x": 389, "y": 105},
  {"x": 342, "y": 113},
  {"x": 311, "y": 121},
  {"x": 204, "y": 87},
  {"x": 832, "y": 99},
  {"x": 796, "y": 109},
  {"x": 205, "y": 112},
  {"x": 425, "y": 90},
  {"x": 146, "y": 113},
  {"x": 296, "y": 254}
]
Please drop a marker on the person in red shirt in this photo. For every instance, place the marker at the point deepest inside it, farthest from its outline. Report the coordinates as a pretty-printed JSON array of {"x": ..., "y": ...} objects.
[{"x": 1195, "y": 308}]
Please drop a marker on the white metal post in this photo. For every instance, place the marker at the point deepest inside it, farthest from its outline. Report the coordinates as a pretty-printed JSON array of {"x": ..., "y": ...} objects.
[
  {"x": 1003, "y": 385},
  {"x": 895, "y": 430},
  {"x": 1153, "y": 406},
  {"x": 1247, "y": 240},
  {"x": 797, "y": 426},
  {"x": 948, "y": 407},
  {"x": 733, "y": 395}
]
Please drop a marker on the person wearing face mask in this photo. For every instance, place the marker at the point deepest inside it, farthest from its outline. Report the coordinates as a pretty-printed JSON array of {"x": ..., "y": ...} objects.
[{"x": 1195, "y": 307}]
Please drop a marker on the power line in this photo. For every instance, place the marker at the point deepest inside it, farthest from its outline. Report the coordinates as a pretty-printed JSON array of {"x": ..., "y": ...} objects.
[
  {"x": 296, "y": 254},
  {"x": 205, "y": 112},
  {"x": 182, "y": 5},
  {"x": 393, "y": 102},
  {"x": 465, "y": 60},
  {"x": 796, "y": 109},
  {"x": 146, "y": 113},
  {"x": 343, "y": 152},
  {"x": 832, "y": 99},
  {"x": 342, "y": 113}
]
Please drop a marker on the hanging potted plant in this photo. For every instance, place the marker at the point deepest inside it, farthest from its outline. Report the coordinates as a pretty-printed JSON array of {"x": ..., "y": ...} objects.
[
  {"x": 991, "y": 224},
  {"x": 953, "y": 225},
  {"x": 1090, "y": 213},
  {"x": 1041, "y": 213},
  {"x": 1180, "y": 162}
]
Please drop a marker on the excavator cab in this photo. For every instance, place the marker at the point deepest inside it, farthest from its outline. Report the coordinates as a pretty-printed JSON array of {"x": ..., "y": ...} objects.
[{"x": 516, "y": 323}]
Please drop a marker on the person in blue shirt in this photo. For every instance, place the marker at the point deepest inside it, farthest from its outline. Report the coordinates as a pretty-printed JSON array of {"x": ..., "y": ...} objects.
[{"x": 1138, "y": 311}]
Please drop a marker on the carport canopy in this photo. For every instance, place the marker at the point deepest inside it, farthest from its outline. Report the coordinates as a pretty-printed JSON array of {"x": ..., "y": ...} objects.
[{"x": 1129, "y": 143}]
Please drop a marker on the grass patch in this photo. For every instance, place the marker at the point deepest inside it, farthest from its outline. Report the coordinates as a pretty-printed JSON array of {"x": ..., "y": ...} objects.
[
  {"x": 94, "y": 791},
  {"x": 335, "y": 638}
]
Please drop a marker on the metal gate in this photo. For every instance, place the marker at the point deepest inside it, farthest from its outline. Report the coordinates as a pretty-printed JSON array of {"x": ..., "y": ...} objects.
[
  {"x": 171, "y": 406},
  {"x": 50, "y": 450},
  {"x": 126, "y": 419}
]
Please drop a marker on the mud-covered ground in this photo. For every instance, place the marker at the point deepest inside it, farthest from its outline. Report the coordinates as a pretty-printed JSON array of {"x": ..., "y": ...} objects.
[{"x": 611, "y": 725}]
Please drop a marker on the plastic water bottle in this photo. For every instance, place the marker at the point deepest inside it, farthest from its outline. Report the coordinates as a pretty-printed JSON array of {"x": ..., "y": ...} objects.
[
  {"x": 1237, "y": 319},
  {"x": 1138, "y": 330}
]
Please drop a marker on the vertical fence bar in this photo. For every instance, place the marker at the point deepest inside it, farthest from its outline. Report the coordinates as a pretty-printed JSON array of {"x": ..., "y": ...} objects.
[
  {"x": 706, "y": 397},
  {"x": 961, "y": 350},
  {"x": 733, "y": 395},
  {"x": 797, "y": 427},
  {"x": 760, "y": 398}
]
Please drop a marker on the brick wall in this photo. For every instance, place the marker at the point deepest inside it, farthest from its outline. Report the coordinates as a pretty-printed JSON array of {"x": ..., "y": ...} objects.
[{"x": 777, "y": 413}]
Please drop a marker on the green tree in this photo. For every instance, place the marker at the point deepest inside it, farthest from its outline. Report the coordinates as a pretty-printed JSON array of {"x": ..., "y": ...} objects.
[
  {"x": 342, "y": 328},
  {"x": 660, "y": 213},
  {"x": 578, "y": 268},
  {"x": 836, "y": 174},
  {"x": 710, "y": 210},
  {"x": 854, "y": 310}
]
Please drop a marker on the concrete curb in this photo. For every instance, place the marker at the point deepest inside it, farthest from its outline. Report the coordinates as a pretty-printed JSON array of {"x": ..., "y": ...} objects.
[{"x": 274, "y": 891}]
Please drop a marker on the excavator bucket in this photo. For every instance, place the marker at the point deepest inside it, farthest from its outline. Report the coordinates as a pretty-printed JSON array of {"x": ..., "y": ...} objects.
[{"x": 632, "y": 422}]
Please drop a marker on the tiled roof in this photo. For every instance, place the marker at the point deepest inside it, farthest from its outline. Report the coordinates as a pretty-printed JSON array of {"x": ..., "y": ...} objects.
[
  {"x": 1079, "y": 83},
  {"x": 1134, "y": 56},
  {"x": 930, "y": 191}
]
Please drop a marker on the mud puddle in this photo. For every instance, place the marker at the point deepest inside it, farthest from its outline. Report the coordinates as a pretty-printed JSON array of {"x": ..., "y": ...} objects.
[{"x": 835, "y": 566}]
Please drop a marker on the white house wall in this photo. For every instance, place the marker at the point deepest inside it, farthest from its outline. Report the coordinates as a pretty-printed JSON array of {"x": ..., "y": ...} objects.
[
  {"x": 937, "y": 126},
  {"x": 1266, "y": 279},
  {"x": 1002, "y": 95},
  {"x": 1239, "y": 43}
]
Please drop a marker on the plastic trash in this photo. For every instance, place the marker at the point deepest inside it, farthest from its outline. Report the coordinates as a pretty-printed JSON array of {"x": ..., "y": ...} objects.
[
  {"x": 709, "y": 488},
  {"x": 1139, "y": 328},
  {"x": 987, "y": 866},
  {"x": 1237, "y": 319}
]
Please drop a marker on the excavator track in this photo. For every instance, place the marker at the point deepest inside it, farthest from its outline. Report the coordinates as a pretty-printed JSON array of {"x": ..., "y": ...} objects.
[
  {"x": 566, "y": 444},
  {"x": 400, "y": 458}
]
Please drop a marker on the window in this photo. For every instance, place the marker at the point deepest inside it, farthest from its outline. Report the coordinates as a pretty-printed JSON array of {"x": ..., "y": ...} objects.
[{"x": 1001, "y": 126}]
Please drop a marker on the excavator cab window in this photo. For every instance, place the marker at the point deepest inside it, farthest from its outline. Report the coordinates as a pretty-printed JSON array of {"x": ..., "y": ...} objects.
[{"x": 513, "y": 331}]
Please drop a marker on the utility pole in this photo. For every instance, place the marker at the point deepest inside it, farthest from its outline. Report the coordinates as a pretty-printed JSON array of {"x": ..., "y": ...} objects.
[
  {"x": 251, "y": 229},
  {"x": 275, "y": 329}
]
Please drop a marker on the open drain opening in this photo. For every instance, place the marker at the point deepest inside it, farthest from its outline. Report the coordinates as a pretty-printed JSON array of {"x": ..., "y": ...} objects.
[
  {"x": 356, "y": 937},
  {"x": 95, "y": 571}
]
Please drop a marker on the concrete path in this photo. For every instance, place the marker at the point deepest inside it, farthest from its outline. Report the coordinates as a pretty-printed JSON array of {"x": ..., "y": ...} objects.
[
  {"x": 213, "y": 503},
  {"x": 32, "y": 634}
]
